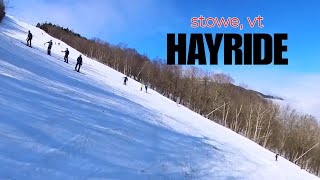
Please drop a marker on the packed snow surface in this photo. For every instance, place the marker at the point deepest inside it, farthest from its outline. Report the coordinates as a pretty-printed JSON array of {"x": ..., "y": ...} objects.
[{"x": 56, "y": 123}]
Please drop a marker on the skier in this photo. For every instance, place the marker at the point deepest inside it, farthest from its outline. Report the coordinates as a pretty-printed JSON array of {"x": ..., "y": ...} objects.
[
  {"x": 79, "y": 63},
  {"x": 125, "y": 80},
  {"x": 277, "y": 156},
  {"x": 29, "y": 38},
  {"x": 146, "y": 87},
  {"x": 141, "y": 87},
  {"x": 49, "y": 47},
  {"x": 66, "y": 55}
]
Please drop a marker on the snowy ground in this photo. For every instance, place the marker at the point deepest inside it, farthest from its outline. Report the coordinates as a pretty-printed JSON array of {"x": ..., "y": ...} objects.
[{"x": 56, "y": 123}]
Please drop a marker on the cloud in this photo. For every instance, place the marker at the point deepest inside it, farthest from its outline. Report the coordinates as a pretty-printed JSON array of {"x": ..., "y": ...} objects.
[
  {"x": 303, "y": 93},
  {"x": 300, "y": 90}
]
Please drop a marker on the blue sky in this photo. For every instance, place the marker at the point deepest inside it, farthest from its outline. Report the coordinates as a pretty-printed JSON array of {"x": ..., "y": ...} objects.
[{"x": 143, "y": 24}]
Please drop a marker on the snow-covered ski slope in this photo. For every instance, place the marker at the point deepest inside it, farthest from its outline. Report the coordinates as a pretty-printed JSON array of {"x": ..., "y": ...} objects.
[{"x": 56, "y": 123}]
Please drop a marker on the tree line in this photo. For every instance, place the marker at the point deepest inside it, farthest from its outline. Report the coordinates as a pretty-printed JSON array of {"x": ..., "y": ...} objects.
[{"x": 282, "y": 130}]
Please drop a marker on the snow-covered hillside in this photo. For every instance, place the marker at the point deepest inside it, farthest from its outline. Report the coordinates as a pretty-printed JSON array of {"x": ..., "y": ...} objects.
[{"x": 56, "y": 123}]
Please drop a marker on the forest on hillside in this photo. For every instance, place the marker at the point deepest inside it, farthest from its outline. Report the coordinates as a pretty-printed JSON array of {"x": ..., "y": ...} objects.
[{"x": 282, "y": 130}]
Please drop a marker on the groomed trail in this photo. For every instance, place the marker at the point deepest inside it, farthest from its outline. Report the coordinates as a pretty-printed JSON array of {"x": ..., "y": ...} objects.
[{"x": 56, "y": 123}]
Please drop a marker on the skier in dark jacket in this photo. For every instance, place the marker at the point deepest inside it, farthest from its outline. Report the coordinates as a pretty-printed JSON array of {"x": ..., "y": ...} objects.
[
  {"x": 146, "y": 87},
  {"x": 29, "y": 38},
  {"x": 79, "y": 63},
  {"x": 125, "y": 80},
  {"x": 49, "y": 47},
  {"x": 277, "y": 156},
  {"x": 66, "y": 55}
]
